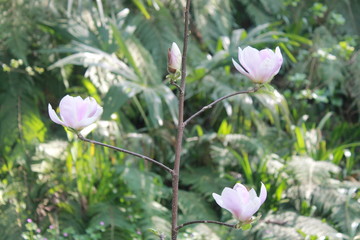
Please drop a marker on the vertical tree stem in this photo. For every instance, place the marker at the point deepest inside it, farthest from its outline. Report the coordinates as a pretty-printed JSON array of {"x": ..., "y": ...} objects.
[{"x": 180, "y": 129}]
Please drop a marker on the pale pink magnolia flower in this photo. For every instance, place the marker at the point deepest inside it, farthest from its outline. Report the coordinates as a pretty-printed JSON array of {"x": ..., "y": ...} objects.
[
  {"x": 75, "y": 112},
  {"x": 174, "y": 58},
  {"x": 260, "y": 66},
  {"x": 243, "y": 204}
]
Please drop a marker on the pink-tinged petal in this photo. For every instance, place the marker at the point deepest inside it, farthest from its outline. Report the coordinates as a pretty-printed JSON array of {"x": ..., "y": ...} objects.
[
  {"x": 250, "y": 60},
  {"x": 243, "y": 204},
  {"x": 242, "y": 192},
  {"x": 260, "y": 66},
  {"x": 250, "y": 209},
  {"x": 68, "y": 111},
  {"x": 82, "y": 107},
  {"x": 53, "y": 116},
  {"x": 240, "y": 188},
  {"x": 240, "y": 69},
  {"x": 174, "y": 58},
  {"x": 76, "y": 112},
  {"x": 93, "y": 107},
  {"x": 252, "y": 194},
  {"x": 277, "y": 60},
  {"x": 231, "y": 201},
  {"x": 263, "y": 193},
  {"x": 90, "y": 120},
  {"x": 266, "y": 71},
  {"x": 266, "y": 53},
  {"x": 218, "y": 200},
  {"x": 278, "y": 54},
  {"x": 175, "y": 50}
]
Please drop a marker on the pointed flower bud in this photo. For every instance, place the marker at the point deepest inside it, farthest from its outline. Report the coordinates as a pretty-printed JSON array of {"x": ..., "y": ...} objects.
[
  {"x": 75, "y": 112},
  {"x": 260, "y": 66},
  {"x": 243, "y": 204},
  {"x": 174, "y": 58}
]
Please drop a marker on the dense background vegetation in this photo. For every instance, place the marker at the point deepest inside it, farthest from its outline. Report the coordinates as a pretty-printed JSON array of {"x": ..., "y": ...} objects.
[{"x": 301, "y": 138}]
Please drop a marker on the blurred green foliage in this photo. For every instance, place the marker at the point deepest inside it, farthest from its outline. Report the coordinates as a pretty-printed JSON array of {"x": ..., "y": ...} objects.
[{"x": 300, "y": 136}]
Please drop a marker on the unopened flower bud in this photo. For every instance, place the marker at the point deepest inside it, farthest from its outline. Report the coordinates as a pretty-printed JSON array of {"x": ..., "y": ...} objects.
[{"x": 174, "y": 58}]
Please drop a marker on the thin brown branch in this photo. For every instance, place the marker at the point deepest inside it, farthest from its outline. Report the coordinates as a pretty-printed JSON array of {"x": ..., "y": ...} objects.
[
  {"x": 180, "y": 128},
  {"x": 217, "y": 101},
  {"x": 276, "y": 222},
  {"x": 126, "y": 151},
  {"x": 206, "y": 221}
]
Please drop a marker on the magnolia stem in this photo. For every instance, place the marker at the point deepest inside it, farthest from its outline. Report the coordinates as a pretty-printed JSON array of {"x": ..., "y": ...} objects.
[
  {"x": 219, "y": 100},
  {"x": 206, "y": 221},
  {"x": 180, "y": 129},
  {"x": 177, "y": 86},
  {"x": 126, "y": 151}
]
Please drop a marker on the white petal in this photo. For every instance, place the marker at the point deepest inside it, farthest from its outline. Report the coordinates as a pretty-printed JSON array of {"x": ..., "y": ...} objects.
[
  {"x": 263, "y": 193},
  {"x": 250, "y": 208},
  {"x": 242, "y": 192},
  {"x": 175, "y": 49},
  {"x": 231, "y": 201},
  {"x": 89, "y": 120},
  {"x": 240, "y": 69},
  {"x": 278, "y": 53},
  {"x": 218, "y": 199},
  {"x": 54, "y": 117},
  {"x": 250, "y": 60},
  {"x": 68, "y": 110}
]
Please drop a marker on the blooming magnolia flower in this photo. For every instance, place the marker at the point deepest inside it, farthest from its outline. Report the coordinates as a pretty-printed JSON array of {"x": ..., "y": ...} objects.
[
  {"x": 241, "y": 202},
  {"x": 174, "y": 58},
  {"x": 260, "y": 66},
  {"x": 75, "y": 112}
]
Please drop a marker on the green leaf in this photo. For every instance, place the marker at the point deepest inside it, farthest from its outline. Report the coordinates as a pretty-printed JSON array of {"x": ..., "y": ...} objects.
[
  {"x": 154, "y": 105},
  {"x": 117, "y": 97},
  {"x": 246, "y": 227}
]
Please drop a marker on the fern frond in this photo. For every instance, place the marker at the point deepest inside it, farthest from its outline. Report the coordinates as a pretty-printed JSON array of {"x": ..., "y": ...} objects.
[
  {"x": 289, "y": 225},
  {"x": 310, "y": 173}
]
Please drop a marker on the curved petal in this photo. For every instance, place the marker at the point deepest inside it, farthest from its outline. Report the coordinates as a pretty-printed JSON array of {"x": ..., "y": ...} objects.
[
  {"x": 250, "y": 60},
  {"x": 175, "y": 49},
  {"x": 266, "y": 70},
  {"x": 82, "y": 108},
  {"x": 240, "y": 69},
  {"x": 278, "y": 61},
  {"x": 263, "y": 193},
  {"x": 218, "y": 200},
  {"x": 250, "y": 208},
  {"x": 93, "y": 107},
  {"x": 231, "y": 201},
  {"x": 68, "y": 110},
  {"x": 174, "y": 57},
  {"x": 54, "y": 117},
  {"x": 242, "y": 192},
  {"x": 260, "y": 66},
  {"x": 278, "y": 54},
  {"x": 89, "y": 120},
  {"x": 252, "y": 194}
]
